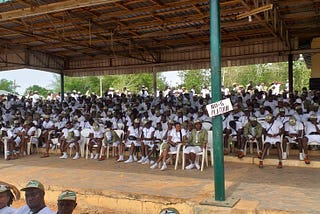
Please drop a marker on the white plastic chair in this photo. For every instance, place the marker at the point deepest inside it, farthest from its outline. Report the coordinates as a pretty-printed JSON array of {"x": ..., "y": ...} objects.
[
  {"x": 84, "y": 142},
  {"x": 251, "y": 142},
  {"x": 177, "y": 153},
  {"x": 202, "y": 154},
  {"x": 209, "y": 148},
  {"x": 34, "y": 140},
  {"x": 5, "y": 147},
  {"x": 206, "y": 125}
]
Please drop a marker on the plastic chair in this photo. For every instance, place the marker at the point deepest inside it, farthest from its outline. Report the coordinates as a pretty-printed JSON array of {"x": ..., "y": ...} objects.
[
  {"x": 251, "y": 142},
  {"x": 84, "y": 142},
  {"x": 206, "y": 125},
  {"x": 177, "y": 153},
  {"x": 5, "y": 147},
  {"x": 202, "y": 154},
  {"x": 209, "y": 148},
  {"x": 34, "y": 140}
]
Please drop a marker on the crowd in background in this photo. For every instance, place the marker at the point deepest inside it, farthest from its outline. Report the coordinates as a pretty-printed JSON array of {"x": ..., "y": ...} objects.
[{"x": 160, "y": 115}]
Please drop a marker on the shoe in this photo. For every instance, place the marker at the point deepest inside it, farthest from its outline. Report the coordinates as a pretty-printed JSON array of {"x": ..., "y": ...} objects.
[
  {"x": 197, "y": 166},
  {"x": 155, "y": 165},
  {"x": 279, "y": 165},
  {"x": 190, "y": 166},
  {"x": 164, "y": 167},
  {"x": 135, "y": 158},
  {"x": 284, "y": 156},
  {"x": 141, "y": 160},
  {"x": 77, "y": 156},
  {"x": 64, "y": 156},
  {"x": 91, "y": 156},
  {"x": 240, "y": 154},
  {"x": 102, "y": 158},
  {"x": 259, "y": 154},
  {"x": 130, "y": 160},
  {"x": 45, "y": 155},
  {"x": 301, "y": 157},
  {"x": 307, "y": 159},
  {"x": 147, "y": 161},
  {"x": 152, "y": 162},
  {"x": 260, "y": 164},
  {"x": 120, "y": 158},
  {"x": 96, "y": 157}
]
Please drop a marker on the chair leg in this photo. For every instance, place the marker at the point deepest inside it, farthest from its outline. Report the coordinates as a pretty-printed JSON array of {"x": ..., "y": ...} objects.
[
  {"x": 177, "y": 161},
  {"x": 28, "y": 148},
  {"x": 183, "y": 160},
  {"x": 108, "y": 148},
  {"x": 202, "y": 162},
  {"x": 87, "y": 151}
]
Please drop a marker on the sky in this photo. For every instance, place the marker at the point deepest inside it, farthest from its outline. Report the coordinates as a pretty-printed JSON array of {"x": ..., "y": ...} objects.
[{"x": 29, "y": 77}]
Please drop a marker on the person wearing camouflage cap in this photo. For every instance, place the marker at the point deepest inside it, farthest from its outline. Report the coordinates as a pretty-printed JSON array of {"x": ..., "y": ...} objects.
[
  {"x": 34, "y": 196},
  {"x": 6, "y": 199},
  {"x": 67, "y": 202}
]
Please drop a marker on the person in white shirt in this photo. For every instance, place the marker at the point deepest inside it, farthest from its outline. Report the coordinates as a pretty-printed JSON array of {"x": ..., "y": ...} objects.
[
  {"x": 6, "y": 199},
  {"x": 34, "y": 196},
  {"x": 293, "y": 130},
  {"x": 175, "y": 137},
  {"x": 70, "y": 137},
  {"x": 16, "y": 139},
  {"x": 132, "y": 139},
  {"x": 312, "y": 134},
  {"x": 272, "y": 130},
  {"x": 96, "y": 137},
  {"x": 147, "y": 142}
]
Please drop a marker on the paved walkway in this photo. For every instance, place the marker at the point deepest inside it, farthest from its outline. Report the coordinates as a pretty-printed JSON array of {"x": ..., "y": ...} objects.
[{"x": 268, "y": 190}]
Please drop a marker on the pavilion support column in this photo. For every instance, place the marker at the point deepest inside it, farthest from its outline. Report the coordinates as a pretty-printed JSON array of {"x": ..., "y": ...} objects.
[
  {"x": 154, "y": 82},
  {"x": 290, "y": 72},
  {"x": 62, "y": 86},
  {"x": 215, "y": 65},
  {"x": 314, "y": 82}
]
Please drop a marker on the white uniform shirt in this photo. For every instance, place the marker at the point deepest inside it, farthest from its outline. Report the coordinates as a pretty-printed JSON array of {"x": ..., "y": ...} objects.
[
  {"x": 293, "y": 129},
  {"x": 7, "y": 210},
  {"x": 26, "y": 210},
  {"x": 176, "y": 137}
]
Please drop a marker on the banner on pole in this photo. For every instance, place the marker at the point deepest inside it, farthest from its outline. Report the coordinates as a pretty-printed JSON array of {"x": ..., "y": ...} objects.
[{"x": 219, "y": 107}]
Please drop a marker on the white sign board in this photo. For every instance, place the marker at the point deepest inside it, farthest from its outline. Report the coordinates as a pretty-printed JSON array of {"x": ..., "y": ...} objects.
[{"x": 219, "y": 107}]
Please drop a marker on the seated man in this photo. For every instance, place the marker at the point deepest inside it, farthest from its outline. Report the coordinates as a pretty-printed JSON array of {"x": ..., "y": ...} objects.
[
  {"x": 196, "y": 143},
  {"x": 312, "y": 134},
  {"x": 96, "y": 137},
  {"x": 252, "y": 131},
  {"x": 6, "y": 199},
  {"x": 272, "y": 131},
  {"x": 111, "y": 138},
  {"x": 292, "y": 133},
  {"x": 70, "y": 137}
]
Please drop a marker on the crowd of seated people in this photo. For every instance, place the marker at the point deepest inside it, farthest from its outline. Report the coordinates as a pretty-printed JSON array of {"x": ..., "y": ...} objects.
[{"x": 267, "y": 118}]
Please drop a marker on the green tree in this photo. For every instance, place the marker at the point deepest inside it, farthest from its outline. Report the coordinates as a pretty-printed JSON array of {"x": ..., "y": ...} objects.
[
  {"x": 195, "y": 78},
  {"x": 41, "y": 91},
  {"x": 8, "y": 85}
]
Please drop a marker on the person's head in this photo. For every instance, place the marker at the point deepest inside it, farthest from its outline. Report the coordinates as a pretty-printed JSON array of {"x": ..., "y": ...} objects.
[
  {"x": 34, "y": 195},
  {"x": 313, "y": 118},
  {"x": 6, "y": 196},
  {"x": 269, "y": 118},
  {"x": 197, "y": 124},
  {"x": 292, "y": 121},
  {"x": 136, "y": 122},
  {"x": 253, "y": 121},
  {"x": 177, "y": 125},
  {"x": 67, "y": 202}
]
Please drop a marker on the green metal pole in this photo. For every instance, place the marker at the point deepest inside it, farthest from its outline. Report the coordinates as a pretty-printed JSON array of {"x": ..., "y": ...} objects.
[{"x": 215, "y": 61}]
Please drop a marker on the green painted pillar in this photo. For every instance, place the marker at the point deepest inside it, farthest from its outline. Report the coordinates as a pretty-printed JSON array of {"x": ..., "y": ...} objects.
[{"x": 215, "y": 62}]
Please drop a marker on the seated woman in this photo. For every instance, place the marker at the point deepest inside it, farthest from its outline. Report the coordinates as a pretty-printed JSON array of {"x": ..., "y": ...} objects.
[
  {"x": 70, "y": 137},
  {"x": 96, "y": 137},
  {"x": 312, "y": 134},
  {"x": 176, "y": 136},
  {"x": 132, "y": 139}
]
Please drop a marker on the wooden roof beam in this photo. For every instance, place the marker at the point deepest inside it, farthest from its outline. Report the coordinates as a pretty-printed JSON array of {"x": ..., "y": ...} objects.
[{"x": 51, "y": 8}]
